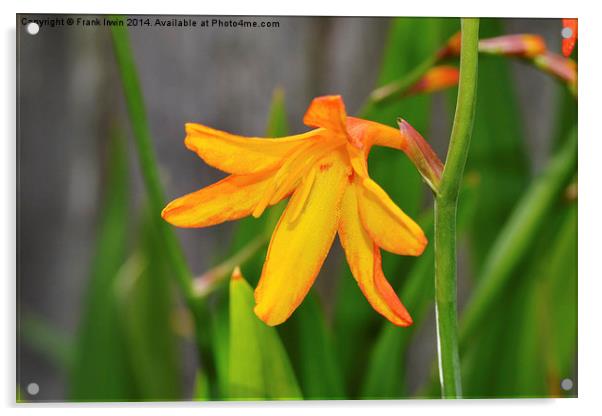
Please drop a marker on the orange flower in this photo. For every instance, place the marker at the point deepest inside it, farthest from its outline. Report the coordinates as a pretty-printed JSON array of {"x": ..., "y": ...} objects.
[
  {"x": 527, "y": 46},
  {"x": 324, "y": 171},
  {"x": 519, "y": 45},
  {"x": 569, "y": 36},
  {"x": 437, "y": 78}
]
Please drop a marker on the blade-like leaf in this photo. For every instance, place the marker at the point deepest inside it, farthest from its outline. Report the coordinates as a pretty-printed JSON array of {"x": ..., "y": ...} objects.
[
  {"x": 101, "y": 369},
  {"x": 309, "y": 341},
  {"x": 259, "y": 368},
  {"x": 146, "y": 306},
  {"x": 533, "y": 333},
  {"x": 47, "y": 340},
  {"x": 514, "y": 241},
  {"x": 201, "y": 387},
  {"x": 497, "y": 159}
]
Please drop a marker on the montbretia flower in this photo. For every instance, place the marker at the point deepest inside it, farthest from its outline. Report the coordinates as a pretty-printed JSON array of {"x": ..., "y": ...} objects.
[
  {"x": 435, "y": 79},
  {"x": 529, "y": 47},
  {"x": 518, "y": 45},
  {"x": 569, "y": 36},
  {"x": 521, "y": 45},
  {"x": 438, "y": 77},
  {"x": 324, "y": 171}
]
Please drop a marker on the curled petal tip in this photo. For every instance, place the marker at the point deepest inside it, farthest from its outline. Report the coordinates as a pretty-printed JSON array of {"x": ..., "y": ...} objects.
[
  {"x": 266, "y": 313},
  {"x": 423, "y": 242},
  {"x": 236, "y": 273},
  {"x": 329, "y": 112},
  {"x": 167, "y": 212},
  {"x": 403, "y": 322}
]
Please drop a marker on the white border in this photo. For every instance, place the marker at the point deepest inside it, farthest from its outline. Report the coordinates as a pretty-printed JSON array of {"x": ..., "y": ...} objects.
[{"x": 590, "y": 150}]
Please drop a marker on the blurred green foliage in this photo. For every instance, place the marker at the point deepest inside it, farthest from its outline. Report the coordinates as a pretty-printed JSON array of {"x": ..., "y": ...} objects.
[
  {"x": 101, "y": 369},
  {"x": 519, "y": 271}
]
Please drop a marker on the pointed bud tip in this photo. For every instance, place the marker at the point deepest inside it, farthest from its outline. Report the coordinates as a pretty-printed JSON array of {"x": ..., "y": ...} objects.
[
  {"x": 236, "y": 273},
  {"x": 421, "y": 154}
]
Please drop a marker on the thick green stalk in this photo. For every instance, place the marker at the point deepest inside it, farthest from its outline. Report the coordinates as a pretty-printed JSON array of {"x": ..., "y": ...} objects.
[{"x": 445, "y": 215}]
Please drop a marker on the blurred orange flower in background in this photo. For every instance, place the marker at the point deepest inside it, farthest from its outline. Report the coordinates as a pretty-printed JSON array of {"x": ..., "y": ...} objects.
[
  {"x": 569, "y": 36},
  {"x": 437, "y": 78}
]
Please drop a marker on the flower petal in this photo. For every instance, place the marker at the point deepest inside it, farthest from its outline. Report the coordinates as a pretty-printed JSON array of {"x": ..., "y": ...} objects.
[
  {"x": 364, "y": 261},
  {"x": 298, "y": 248},
  {"x": 386, "y": 223},
  {"x": 372, "y": 133},
  {"x": 242, "y": 155},
  {"x": 327, "y": 111},
  {"x": 231, "y": 198}
]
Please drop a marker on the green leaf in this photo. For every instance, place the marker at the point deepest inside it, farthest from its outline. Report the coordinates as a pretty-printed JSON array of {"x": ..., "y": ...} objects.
[
  {"x": 146, "y": 307},
  {"x": 259, "y": 368},
  {"x": 101, "y": 370},
  {"x": 514, "y": 241},
  {"x": 201, "y": 387},
  {"x": 497, "y": 159},
  {"x": 220, "y": 339},
  {"x": 134, "y": 101},
  {"x": 561, "y": 296},
  {"x": 308, "y": 339},
  {"x": 277, "y": 125},
  {"x": 566, "y": 115},
  {"x": 47, "y": 340},
  {"x": 533, "y": 332}
]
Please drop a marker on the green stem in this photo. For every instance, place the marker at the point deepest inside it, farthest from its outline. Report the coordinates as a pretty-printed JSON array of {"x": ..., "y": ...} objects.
[
  {"x": 213, "y": 278},
  {"x": 445, "y": 215},
  {"x": 396, "y": 88}
]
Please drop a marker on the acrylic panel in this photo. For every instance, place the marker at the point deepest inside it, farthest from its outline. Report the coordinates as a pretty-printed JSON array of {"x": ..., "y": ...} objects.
[{"x": 274, "y": 208}]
